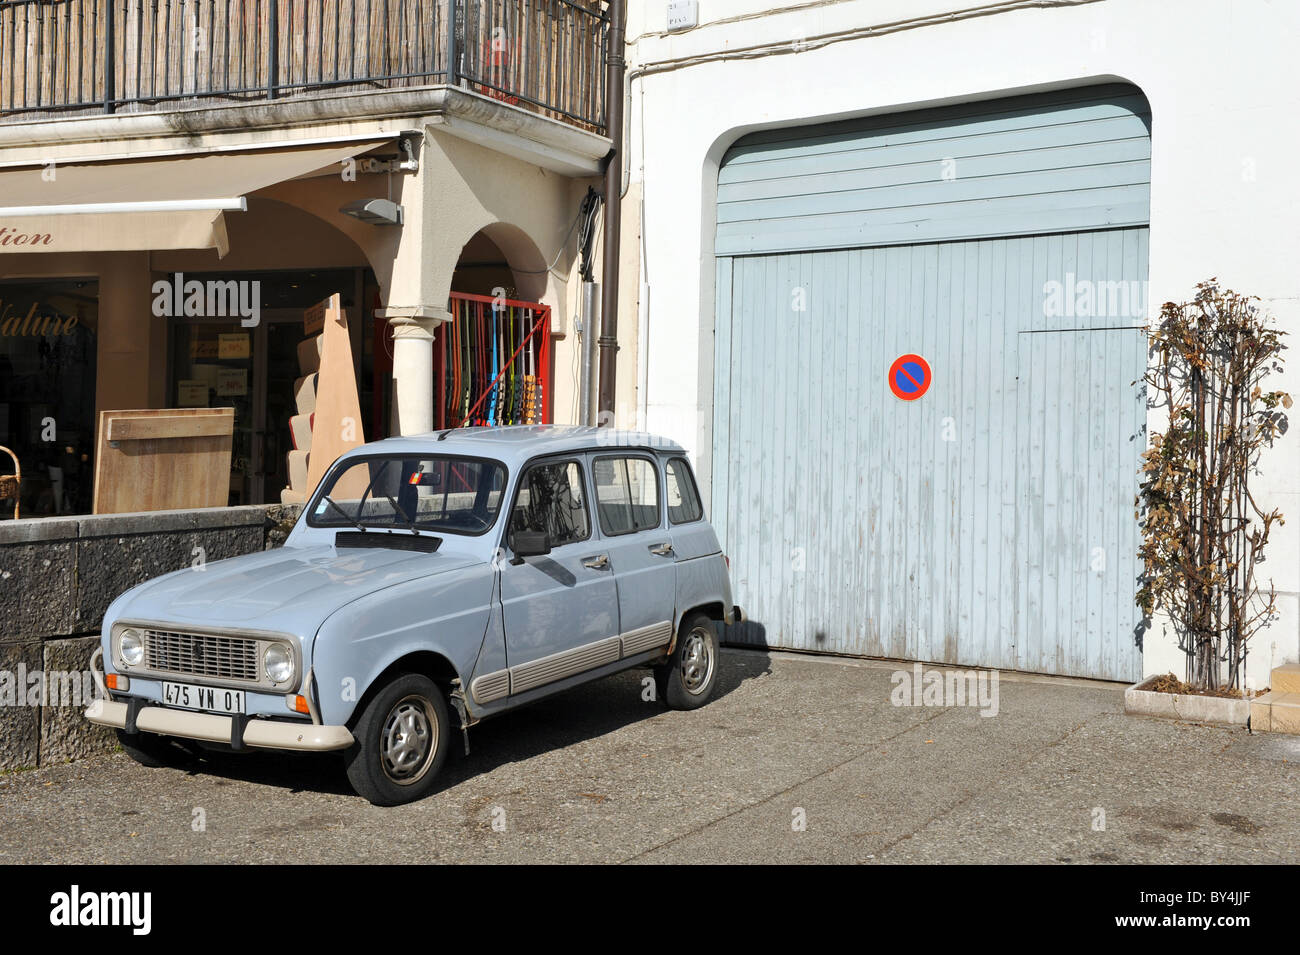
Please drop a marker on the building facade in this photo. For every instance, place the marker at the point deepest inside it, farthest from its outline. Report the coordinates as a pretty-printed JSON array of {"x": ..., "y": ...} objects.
[
  {"x": 895, "y": 260},
  {"x": 179, "y": 181}
]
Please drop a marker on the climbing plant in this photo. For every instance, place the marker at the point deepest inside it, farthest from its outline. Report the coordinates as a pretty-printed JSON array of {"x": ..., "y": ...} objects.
[{"x": 1203, "y": 531}]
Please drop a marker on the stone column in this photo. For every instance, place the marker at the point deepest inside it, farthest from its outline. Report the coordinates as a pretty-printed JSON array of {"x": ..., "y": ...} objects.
[{"x": 413, "y": 366}]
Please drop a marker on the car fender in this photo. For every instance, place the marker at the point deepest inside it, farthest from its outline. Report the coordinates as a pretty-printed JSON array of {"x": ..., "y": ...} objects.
[
  {"x": 446, "y": 614},
  {"x": 702, "y": 582}
]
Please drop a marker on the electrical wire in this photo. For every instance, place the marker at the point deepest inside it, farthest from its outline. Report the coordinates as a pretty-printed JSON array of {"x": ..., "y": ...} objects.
[
  {"x": 587, "y": 212},
  {"x": 587, "y": 215}
]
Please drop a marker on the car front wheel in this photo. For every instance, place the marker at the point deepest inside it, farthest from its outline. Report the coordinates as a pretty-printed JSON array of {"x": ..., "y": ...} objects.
[
  {"x": 399, "y": 742},
  {"x": 687, "y": 679}
]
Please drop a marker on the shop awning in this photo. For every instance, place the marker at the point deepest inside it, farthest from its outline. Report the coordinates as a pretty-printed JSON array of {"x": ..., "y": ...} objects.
[{"x": 174, "y": 203}]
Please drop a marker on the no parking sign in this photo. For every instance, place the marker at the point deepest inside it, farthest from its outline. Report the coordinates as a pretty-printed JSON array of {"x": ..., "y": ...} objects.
[{"x": 909, "y": 377}]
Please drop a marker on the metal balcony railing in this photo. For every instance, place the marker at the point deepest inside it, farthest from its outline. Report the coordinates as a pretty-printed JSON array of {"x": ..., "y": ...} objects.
[{"x": 69, "y": 57}]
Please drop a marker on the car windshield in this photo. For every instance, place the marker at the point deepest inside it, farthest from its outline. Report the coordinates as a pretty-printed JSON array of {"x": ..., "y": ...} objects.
[{"x": 435, "y": 493}]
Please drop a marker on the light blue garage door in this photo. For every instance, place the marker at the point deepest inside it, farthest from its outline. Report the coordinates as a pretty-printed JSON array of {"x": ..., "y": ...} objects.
[{"x": 991, "y": 521}]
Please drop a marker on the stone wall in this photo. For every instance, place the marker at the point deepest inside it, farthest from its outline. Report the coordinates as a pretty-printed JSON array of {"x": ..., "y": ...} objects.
[{"x": 57, "y": 577}]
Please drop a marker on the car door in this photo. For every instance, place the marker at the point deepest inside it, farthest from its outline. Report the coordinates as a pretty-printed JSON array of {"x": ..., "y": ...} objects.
[
  {"x": 560, "y": 609},
  {"x": 701, "y": 569},
  {"x": 629, "y": 504},
  {"x": 692, "y": 536}
]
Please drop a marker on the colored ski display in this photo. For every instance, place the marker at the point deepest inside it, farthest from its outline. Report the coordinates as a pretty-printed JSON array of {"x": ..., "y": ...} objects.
[{"x": 493, "y": 359}]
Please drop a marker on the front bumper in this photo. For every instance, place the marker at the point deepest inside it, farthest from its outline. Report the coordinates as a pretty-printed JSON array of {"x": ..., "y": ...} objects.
[
  {"x": 313, "y": 737},
  {"x": 213, "y": 728}
]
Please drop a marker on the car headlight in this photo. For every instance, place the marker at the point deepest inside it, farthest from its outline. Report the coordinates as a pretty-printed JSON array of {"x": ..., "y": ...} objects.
[
  {"x": 277, "y": 661},
  {"x": 130, "y": 647}
]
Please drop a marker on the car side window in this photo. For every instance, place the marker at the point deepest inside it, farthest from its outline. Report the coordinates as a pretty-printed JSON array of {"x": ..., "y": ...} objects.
[
  {"x": 683, "y": 498},
  {"x": 627, "y": 494},
  {"x": 551, "y": 500}
]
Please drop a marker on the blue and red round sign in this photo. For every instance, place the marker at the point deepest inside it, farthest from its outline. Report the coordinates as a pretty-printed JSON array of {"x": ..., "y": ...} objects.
[{"x": 909, "y": 377}]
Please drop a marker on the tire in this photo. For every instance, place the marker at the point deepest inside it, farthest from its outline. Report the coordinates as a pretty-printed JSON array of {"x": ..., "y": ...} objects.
[
  {"x": 400, "y": 742},
  {"x": 154, "y": 751},
  {"x": 688, "y": 678}
]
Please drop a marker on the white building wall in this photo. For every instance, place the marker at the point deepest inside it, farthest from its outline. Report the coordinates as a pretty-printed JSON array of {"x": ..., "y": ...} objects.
[{"x": 1224, "y": 90}]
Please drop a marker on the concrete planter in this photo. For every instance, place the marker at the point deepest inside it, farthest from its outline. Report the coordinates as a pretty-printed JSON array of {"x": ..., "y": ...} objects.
[{"x": 1190, "y": 708}]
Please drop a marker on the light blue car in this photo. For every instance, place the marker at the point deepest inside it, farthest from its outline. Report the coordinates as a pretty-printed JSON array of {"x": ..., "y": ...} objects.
[{"x": 431, "y": 581}]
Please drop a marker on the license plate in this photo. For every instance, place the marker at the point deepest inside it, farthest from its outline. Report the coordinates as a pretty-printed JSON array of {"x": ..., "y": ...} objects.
[{"x": 191, "y": 696}]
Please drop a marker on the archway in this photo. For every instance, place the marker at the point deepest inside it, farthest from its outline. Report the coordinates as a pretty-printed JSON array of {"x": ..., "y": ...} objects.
[
  {"x": 503, "y": 256},
  {"x": 285, "y": 259},
  {"x": 492, "y": 361}
]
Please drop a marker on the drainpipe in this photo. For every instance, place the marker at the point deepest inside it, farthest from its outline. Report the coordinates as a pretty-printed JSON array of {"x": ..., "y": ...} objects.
[
  {"x": 590, "y": 322},
  {"x": 608, "y": 341}
]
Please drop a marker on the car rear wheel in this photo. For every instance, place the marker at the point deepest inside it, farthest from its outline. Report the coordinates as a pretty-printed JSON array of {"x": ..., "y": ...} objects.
[
  {"x": 400, "y": 742},
  {"x": 687, "y": 680}
]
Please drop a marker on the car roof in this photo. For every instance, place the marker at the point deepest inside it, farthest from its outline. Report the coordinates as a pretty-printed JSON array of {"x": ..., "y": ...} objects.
[{"x": 515, "y": 444}]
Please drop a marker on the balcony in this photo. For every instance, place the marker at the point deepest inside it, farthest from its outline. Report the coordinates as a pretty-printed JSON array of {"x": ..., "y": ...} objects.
[{"x": 91, "y": 57}]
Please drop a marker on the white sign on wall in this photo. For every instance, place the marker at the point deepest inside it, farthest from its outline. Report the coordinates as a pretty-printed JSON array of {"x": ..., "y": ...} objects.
[{"x": 683, "y": 14}]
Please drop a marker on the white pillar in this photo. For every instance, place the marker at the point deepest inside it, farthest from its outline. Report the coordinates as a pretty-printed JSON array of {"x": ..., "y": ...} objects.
[{"x": 413, "y": 366}]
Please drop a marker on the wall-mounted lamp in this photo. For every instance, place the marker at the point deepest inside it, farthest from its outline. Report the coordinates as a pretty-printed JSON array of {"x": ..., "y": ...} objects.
[{"x": 374, "y": 211}]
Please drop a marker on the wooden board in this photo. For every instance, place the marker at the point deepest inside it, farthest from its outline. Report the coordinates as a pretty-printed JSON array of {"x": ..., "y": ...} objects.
[
  {"x": 304, "y": 394},
  {"x": 296, "y": 464},
  {"x": 300, "y": 437},
  {"x": 309, "y": 354},
  {"x": 162, "y": 459},
  {"x": 336, "y": 424},
  {"x": 166, "y": 426}
]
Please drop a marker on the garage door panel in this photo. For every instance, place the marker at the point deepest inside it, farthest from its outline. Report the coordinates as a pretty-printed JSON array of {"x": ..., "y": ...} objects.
[
  {"x": 974, "y": 171},
  {"x": 1062, "y": 212},
  {"x": 928, "y": 194},
  {"x": 1100, "y": 275},
  {"x": 1080, "y": 112},
  {"x": 1076, "y": 528},
  {"x": 956, "y": 401},
  {"x": 789, "y": 178},
  {"x": 862, "y": 524},
  {"x": 973, "y": 161}
]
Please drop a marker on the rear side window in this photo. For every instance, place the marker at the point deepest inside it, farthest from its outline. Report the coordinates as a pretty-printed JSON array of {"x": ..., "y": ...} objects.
[
  {"x": 551, "y": 500},
  {"x": 683, "y": 497},
  {"x": 627, "y": 494}
]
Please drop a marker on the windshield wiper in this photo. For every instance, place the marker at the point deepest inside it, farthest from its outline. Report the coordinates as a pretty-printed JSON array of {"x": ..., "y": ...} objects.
[
  {"x": 410, "y": 524},
  {"x": 346, "y": 516}
]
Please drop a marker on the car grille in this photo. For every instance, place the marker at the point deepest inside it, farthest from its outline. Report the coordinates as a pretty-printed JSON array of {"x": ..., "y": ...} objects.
[{"x": 226, "y": 658}]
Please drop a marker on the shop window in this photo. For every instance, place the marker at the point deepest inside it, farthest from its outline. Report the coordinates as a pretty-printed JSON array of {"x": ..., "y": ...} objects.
[
  {"x": 47, "y": 391},
  {"x": 252, "y": 367}
]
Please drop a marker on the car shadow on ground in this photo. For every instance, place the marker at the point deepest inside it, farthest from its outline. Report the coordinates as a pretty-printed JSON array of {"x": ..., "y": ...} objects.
[{"x": 577, "y": 715}]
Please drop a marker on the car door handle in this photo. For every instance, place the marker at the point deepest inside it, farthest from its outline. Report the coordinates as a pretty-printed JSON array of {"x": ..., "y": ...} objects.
[
  {"x": 599, "y": 562},
  {"x": 661, "y": 550}
]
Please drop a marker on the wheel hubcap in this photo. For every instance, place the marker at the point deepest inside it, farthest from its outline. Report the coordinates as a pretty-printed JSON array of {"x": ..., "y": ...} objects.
[
  {"x": 697, "y": 661},
  {"x": 410, "y": 738}
]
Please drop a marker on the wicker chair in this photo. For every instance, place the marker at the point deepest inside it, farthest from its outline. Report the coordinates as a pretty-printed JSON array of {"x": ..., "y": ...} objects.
[{"x": 10, "y": 483}]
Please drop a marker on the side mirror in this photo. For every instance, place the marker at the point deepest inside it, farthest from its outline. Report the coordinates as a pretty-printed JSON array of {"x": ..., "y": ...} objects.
[{"x": 529, "y": 544}]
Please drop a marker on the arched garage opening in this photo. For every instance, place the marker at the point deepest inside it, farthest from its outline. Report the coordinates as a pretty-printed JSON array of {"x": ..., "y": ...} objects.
[{"x": 983, "y": 516}]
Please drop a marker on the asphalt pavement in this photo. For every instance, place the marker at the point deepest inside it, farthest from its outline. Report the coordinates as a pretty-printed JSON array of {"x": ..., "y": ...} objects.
[{"x": 798, "y": 759}]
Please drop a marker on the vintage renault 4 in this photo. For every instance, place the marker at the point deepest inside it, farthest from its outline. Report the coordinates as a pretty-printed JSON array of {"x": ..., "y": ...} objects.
[{"x": 430, "y": 582}]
